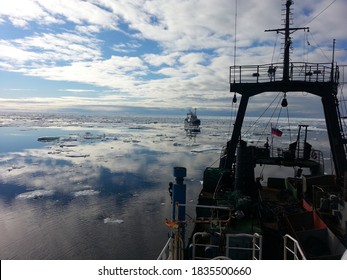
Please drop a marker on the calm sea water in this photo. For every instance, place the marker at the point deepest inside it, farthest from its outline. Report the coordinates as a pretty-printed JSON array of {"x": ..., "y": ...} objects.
[{"x": 97, "y": 187}]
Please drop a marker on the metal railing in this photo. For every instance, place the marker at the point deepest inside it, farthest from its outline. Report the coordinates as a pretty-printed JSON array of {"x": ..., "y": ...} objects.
[
  {"x": 173, "y": 249},
  {"x": 292, "y": 249},
  {"x": 166, "y": 252},
  {"x": 256, "y": 243},
  {"x": 252, "y": 249},
  {"x": 298, "y": 71}
]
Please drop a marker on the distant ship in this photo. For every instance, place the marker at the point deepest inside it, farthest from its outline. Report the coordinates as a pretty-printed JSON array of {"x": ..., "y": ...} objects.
[
  {"x": 244, "y": 213},
  {"x": 192, "y": 122}
]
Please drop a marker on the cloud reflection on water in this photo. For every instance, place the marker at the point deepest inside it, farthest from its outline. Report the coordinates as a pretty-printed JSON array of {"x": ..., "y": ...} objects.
[
  {"x": 60, "y": 209},
  {"x": 56, "y": 196}
]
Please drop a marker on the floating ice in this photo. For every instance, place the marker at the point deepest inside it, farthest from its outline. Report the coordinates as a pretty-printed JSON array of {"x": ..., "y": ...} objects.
[
  {"x": 54, "y": 152},
  {"x": 76, "y": 155},
  {"x": 48, "y": 138},
  {"x": 89, "y": 136},
  {"x": 68, "y": 139},
  {"x": 192, "y": 144},
  {"x": 35, "y": 194},
  {"x": 68, "y": 145},
  {"x": 85, "y": 193},
  {"x": 113, "y": 221},
  {"x": 206, "y": 148},
  {"x": 15, "y": 167},
  {"x": 139, "y": 127}
]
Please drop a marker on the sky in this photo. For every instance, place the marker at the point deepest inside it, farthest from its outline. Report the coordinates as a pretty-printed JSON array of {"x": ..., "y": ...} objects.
[{"x": 153, "y": 56}]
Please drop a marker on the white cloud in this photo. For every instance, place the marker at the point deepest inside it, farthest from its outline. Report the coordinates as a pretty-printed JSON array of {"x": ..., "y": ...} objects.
[
  {"x": 21, "y": 12},
  {"x": 115, "y": 72},
  {"x": 77, "y": 90},
  {"x": 80, "y": 12},
  {"x": 149, "y": 49},
  {"x": 126, "y": 47}
]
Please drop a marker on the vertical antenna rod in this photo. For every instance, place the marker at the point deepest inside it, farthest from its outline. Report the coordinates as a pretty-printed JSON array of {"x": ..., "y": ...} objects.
[
  {"x": 287, "y": 40},
  {"x": 332, "y": 63},
  {"x": 287, "y": 43}
]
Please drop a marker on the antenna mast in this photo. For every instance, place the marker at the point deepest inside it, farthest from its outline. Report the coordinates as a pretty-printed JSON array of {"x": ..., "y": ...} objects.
[{"x": 287, "y": 39}]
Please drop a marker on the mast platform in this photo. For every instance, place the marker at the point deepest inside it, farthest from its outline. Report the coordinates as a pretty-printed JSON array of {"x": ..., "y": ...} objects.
[{"x": 317, "y": 78}]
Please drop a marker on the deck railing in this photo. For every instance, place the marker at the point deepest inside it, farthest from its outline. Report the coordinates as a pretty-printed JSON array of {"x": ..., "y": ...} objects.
[
  {"x": 292, "y": 249},
  {"x": 298, "y": 71},
  {"x": 166, "y": 252},
  {"x": 249, "y": 246}
]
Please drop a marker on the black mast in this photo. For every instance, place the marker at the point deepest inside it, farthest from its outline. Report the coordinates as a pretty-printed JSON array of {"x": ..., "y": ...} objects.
[
  {"x": 320, "y": 79},
  {"x": 287, "y": 39}
]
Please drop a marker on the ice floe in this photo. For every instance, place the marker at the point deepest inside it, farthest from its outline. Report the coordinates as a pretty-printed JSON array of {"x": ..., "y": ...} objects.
[
  {"x": 206, "y": 148},
  {"x": 85, "y": 193},
  {"x": 113, "y": 221},
  {"x": 77, "y": 155},
  {"x": 48, "y": 138},
  {"x": 13, "y": 167},
  {"x": 35, "y": 194},
  {"x": 90, "y": 136}
]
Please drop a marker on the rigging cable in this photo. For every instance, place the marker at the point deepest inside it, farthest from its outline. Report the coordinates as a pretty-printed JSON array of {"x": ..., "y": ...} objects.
[
  {"x": 343, "y": 101},
  {"x": 320, "y": 13},
  {"x": 289, "y": 128},
  {"x": 306, "y": 46},
  {"x": 274, "y": 50},
  {"x": 319, "y": 47},
  {"x": 235, "y": 49},
  {"x": 256, "y": 121},
  {"x": 314, "y": 19},
  {"x": 234, "y": 100},
  {"x": 235, "y": 41}
]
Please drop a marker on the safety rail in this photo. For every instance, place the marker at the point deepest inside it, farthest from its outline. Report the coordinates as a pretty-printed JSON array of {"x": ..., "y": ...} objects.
[
  {"x": 256, "y": 242},
  {"x": 251, "y": 249},
  {"x": 294, "y": 251},
  {"x": 298, "y": 71},
  {"x": 291, "y": 247},
  {"x": 173, "y": 249},
  {"x": 166, "y": 252},
  {"x": 313, "y": 154}
]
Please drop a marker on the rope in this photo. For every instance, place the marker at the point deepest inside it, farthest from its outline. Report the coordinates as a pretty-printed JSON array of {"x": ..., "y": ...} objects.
[
  {"x": 320, "y": 13},
  {"x": 290, "y": 131},
  {"x": 235, "y": 41},
  {"x": 274, "y": 50},
  {"x": 232, "y": 113},
  {"x": 278, "y": 117},
  {"x": 305, "y": 46},
  {"x": 342, "y": 98},
  {"x": 256, "y": 121},
  {"x": 274, "y": 112},
  {"x": 319, "y": 47},
  {"x": 235, "y": 50}
]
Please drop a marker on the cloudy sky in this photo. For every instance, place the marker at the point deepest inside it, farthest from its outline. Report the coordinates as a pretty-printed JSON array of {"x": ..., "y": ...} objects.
[{"x": 160, "y": 55}]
